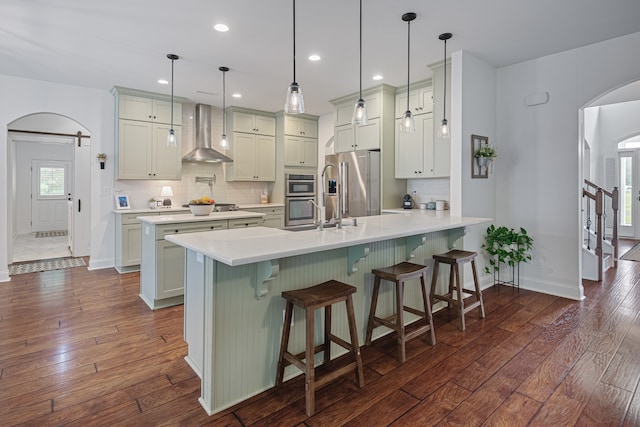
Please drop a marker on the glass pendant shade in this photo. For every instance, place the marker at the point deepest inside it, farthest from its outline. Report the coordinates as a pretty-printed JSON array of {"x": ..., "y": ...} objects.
[
  {"x": 224, "y": 143},
  {"x": 444, "y": 129},
  {"x": 360, "y": 113},
  {"x": 406, "y": 123},
  {"x": 172, "y": 138},
  {"x": 294, "y": 103}
]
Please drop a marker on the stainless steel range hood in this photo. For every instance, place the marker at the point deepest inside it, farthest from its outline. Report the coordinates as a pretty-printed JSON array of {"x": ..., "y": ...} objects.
[{"x": 203, "y": 151}]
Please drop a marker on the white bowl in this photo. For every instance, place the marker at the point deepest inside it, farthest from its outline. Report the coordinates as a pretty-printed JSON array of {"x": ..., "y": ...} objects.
[{"x": 201, "y": 210}]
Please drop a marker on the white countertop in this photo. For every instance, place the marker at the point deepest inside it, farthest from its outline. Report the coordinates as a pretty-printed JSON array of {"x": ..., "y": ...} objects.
[
  {"x": 177, "y": 208},
  {"x": 182, "y": 218},
  {"x": 255, "y": 244}
]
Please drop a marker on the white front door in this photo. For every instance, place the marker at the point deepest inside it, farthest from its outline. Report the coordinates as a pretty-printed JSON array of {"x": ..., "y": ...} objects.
[{"x": 50, "y": 188}]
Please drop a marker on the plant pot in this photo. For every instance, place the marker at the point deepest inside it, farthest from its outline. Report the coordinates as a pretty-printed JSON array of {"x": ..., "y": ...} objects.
[{"x": 482, "y": 161}]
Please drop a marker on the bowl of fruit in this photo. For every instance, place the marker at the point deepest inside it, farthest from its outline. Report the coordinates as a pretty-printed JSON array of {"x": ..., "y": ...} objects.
[{"x": 202, "y": 206}]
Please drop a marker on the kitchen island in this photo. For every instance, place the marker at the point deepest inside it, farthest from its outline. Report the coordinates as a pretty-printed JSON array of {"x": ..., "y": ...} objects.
[
  {"x": 162, "y": 262},
  {"x": 234, "y": 278}
]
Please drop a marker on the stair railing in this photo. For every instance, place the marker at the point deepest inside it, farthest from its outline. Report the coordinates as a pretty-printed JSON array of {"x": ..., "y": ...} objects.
[{"x": 599, "y": 199}]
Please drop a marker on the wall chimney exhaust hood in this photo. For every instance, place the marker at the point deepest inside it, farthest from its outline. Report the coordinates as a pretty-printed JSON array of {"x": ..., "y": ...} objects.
[{"x": 203, "y": 151}]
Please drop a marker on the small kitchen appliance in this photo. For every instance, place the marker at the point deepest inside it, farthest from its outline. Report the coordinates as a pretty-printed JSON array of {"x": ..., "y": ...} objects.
[{"x": 407, "y": 202}]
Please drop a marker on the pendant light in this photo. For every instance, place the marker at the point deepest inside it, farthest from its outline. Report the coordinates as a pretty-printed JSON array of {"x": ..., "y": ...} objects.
[
  {"x": 223, "y": 139},
  {"x": 444, "y": 125},
  {"x": 360, "y": 109},
  {"x": 172, "y": 138},
  {"x": 406, "y": 123},
  {"x": 294, "y": 103}
]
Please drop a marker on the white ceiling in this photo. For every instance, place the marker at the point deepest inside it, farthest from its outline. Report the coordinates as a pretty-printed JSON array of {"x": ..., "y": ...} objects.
[{"x": 99, "y": 44}]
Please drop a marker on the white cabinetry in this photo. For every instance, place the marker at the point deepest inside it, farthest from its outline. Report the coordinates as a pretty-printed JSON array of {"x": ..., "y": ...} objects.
[
  {"x": 420, "y": 100},
  {"x": 274, "y": 215},
  {"x": 420, "y": 154},
  {"x": 348, "y": 137},
  {"x": 128, "y": 239},
  {"x": 298, "y": 137},
  {"x": 143, "y": 122},
  {"x": 149, "y": 110},
  {"x": 253, "y": 146}
]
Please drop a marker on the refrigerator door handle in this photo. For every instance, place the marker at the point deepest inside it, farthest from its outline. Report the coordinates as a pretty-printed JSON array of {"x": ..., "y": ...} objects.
[{"x": 344, "y": 191}]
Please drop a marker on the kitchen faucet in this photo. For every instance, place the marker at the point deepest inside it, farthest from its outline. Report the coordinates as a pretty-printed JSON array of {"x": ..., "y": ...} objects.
[
  {"x": 320, "y": 226},
  {"x": 339, "y": 190}
]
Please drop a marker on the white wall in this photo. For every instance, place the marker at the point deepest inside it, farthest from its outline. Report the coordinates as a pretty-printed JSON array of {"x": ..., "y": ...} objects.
[
  {"x": 540, "y": 173},
  {"x": 474, "y": 107},
  {"x": 91, "y": 108}
]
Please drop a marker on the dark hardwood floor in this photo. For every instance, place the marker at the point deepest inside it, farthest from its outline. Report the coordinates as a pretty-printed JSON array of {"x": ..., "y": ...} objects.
[{"x": 79, "y": 348}]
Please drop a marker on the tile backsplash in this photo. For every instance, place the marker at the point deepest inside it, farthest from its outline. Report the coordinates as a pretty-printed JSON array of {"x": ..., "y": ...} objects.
[
  {"x": 430, "y": 189},
  {"x": 140, "y": 191}
]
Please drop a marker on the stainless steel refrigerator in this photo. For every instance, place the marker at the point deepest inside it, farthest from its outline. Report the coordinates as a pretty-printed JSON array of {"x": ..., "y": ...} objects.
[{"x": 361, "y": 184}]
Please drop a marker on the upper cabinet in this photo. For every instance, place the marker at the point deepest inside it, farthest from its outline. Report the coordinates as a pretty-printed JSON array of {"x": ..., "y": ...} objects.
[
  {"x": 420, "y": 100},
  {"x": 143, "y": 122},
  {"x": 420, "y": 154},
  {"x": 380, "y": 103},
  {"x": 301, "y": 126},
  {"x": 298, "y": 135},
  {"x": 150, "y": 110},
  {"x": 252, "y": 123},
  {"x": 252, "y": 143}
]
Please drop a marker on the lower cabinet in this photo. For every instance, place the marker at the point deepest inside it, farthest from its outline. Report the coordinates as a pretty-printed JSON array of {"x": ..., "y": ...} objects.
[
  {"x": 274, "y": 216},
  {"x": 128, "y": 239},
  {"x": 162, "y": 265}
]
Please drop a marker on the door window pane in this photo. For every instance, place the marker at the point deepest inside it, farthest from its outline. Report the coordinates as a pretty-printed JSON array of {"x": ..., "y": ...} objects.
[
  {"x": 626, "y": 174},
  {"x": 51, "y": 182}
]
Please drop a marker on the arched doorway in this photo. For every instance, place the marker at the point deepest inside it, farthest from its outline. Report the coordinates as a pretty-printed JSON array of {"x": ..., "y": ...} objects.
[
  {"x": 41, "y": 148},
  {"x": 605, "y": 122}
]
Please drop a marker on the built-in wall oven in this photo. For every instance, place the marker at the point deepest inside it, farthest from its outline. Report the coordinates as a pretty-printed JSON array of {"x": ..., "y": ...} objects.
[{"x": 300, "y": 188}]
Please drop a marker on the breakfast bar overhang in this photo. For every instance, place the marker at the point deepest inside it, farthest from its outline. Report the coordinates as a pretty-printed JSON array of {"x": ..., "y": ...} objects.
[{"x": 234, "y": 278}]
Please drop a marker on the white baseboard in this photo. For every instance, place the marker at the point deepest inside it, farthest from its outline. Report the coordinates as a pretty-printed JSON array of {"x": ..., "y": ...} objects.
[{"x": 100, "y": 264}]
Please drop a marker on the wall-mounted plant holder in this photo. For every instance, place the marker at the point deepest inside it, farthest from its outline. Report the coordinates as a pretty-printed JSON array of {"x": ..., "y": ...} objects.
[
  {"x": 479, "y": 165},
  {"x": 102, "y": 158}
]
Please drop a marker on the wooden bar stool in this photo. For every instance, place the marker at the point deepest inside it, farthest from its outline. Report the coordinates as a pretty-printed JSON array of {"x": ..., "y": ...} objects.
[
  {"x": 399, "y": 274},
  {"x": 454, "y": 258},
  {"x": 311, "y": 299}
]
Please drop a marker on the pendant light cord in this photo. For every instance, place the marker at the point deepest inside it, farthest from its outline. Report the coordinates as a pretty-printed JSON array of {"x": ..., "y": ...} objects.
[
  {"x": 444, "y": 112},
  {"x": 172, "y": 61},
  {"x": 408, "y": 58},
  {"x": 294, "y": 41},
  {"x": 360, "y": 49},
  {"x": 224, "y": 98}
]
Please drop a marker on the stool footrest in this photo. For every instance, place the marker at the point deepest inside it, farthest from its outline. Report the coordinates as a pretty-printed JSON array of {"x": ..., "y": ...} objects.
[{"x": 330, "y": 376}]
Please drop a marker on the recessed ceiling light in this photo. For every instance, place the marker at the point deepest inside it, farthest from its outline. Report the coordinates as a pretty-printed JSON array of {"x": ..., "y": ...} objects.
[
  {"x": 377, "y": 77},
  {"x": 163, "y": 82},
  {"x": 221, "y": 27},
  {"x": 237, "y": 95},
  {"x": 314, "y": 58}
]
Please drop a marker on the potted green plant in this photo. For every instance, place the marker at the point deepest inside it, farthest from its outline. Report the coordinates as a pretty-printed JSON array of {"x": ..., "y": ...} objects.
[
  {"x": 485, "y": 154},
  {"x": 506, "y": 246}
]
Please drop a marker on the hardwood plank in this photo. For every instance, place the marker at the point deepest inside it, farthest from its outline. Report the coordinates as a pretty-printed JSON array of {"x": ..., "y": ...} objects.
[
  {"x": 607, "y": 407},
  {"x": 434, "y": 407},
  {"x": 572, "y": 394},
  {"x": 517, "y": 410}
]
